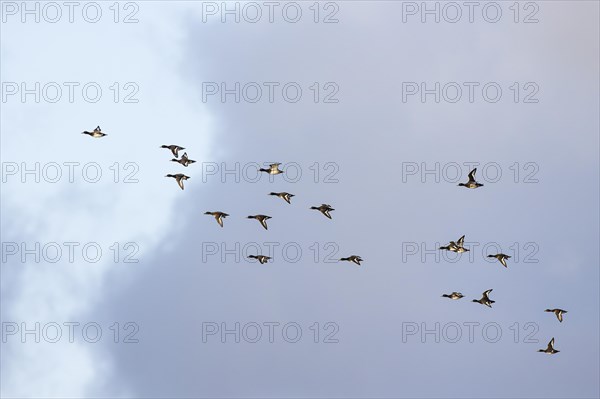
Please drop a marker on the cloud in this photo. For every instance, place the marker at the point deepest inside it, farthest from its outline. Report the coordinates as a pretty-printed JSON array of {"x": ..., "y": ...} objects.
[{"x": 104, "y": 212}]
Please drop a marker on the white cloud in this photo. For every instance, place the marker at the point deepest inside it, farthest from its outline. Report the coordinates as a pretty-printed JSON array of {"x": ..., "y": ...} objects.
[{"x": 149, "y": 54}]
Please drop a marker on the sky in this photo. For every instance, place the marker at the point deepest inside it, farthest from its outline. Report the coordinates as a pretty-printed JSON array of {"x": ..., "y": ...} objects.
[{"x": 172, "y": 293}]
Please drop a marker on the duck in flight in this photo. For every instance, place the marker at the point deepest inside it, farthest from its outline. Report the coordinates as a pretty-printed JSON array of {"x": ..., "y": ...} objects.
[
  {"x": 455, "y": 296},
  {"x": 324, "y": 209},
  {"x": 261, "y": 258},
  {"x": 456, "y": 246},
  {"x": 262, "y": 219},
  {"x": 96, "y": 133},
  {"x": 485, "y": 299},
  {"x": 550, "y": 349},
  {"x": 558, "y": 312},
  {"x": 353, "y": 258},
  {"x": 472, "y": 183},
  {"x": 501, "y": 258},
  {"x": 219, "y": 216},
  {"x": 284, "y": 196},
  {"x": 179, "y": 177},
  {"x": 174, "y": 149},
  {"x": 185, "y": 161},
  {"x": 273, "y": 169}
]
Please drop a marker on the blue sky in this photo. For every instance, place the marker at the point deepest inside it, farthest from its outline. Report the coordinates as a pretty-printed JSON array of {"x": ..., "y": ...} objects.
[{"x": 366, "y": 140}]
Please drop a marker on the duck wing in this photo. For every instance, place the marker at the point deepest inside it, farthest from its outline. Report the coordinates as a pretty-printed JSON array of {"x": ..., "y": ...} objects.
[{"x": 472, "y": 174}]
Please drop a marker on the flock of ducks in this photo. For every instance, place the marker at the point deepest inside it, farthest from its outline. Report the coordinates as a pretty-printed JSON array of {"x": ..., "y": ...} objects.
[
  {"x": 184, "y": 160},
  {"x": 219, "y": 216},
  {"x": 325, "y": 209},
  {"x": 458, "y": 247}
]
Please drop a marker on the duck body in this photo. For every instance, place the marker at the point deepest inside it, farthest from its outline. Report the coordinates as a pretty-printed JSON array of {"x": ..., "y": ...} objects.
[
  {"x": 174, "y": 149},
  {"x": 185, "y": 161},
  {"x": 96, "y": 133},
  {"x": 353, "y": 258},
  {"x": 324, "y": 209},
  {"x": 457, "y": 246},
  {"x": 550, "y": 349},
  {"x": 454, "y": 296},
  {"x": 262, "y": 259},
  {"x": 485, "y": 299},
  {"x": 472, "y": 183},
  {"x": 284, "y": 196},
  {"x": 179, "y": 177},
  {"x": 273, "y": 169},
  {"x": 450, "y": 247},
  {"x": 501, "y": 258},
  {"x": 262, "y": 219},
  {"x": 219, "y": 216},
  {"x": 558, "y": 312}
]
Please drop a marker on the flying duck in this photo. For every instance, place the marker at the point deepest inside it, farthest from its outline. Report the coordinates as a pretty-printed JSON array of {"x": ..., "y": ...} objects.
[
  {"x": 454, "y": 295},
  {"x": 501, "y": 257},
  {"x": 174, "y": 149},
  {"x": 456, "y": 246},
  {"x": 557, "y": 312},
  {"x": 185, "y": 161},
  {"x": 354, "y": 258},
  {"x": 485, "y": 299},
  {"x": 284, "y": 196},
  {"x": 550, "y": 349},
  {"x": 261, "y": 258},
  {"x": 472, "y": 183},
  {"x": 219, "y": 216},
  {"x": 273, "y": 169},
  {"x": 262, "y": 219},
  {"x": 180, "y": 177},
  {"x": 96, "y": 133},
  {"x": 324, "y": 209}
]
